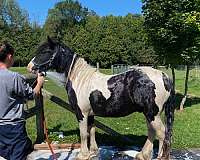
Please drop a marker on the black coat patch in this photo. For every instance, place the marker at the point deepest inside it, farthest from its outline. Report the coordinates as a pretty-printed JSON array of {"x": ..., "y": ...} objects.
[
  {"x": 73, "y": 101},
  {"x": 167, "y": 82},
  {"x": 131, "y": 91}
]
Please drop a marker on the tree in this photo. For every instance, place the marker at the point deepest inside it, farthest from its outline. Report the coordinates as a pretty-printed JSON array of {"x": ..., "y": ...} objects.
[
  {"x": 26, "y": 42},
  {"x": 139, "y": 51},
  {"x": 191, "y": 54},
  {"x": 170, "y": 31},
  {"x": 63, "y": 17},
  {"x": 110, "y": 40},
  {"x": 16, "y": 29},
  {"x": 12, "y": 15}
]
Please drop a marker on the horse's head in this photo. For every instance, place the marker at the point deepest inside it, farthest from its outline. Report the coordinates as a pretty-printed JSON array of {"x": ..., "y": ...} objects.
[{"x": 51, "y": 55}]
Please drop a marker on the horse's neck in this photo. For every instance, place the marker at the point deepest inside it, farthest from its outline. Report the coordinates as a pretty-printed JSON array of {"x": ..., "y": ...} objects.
[
  {"x": 86, "y": 78},
  {"x": 81, "y": 69}
]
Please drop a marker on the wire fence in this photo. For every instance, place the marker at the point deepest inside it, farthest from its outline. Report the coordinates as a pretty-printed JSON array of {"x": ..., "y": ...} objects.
[{"x": 179, "y": 69}]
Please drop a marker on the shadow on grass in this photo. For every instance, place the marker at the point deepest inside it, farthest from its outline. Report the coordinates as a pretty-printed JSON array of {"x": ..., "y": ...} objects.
[
  {"x": 109, "y": 140},
  {"x": 189, "y": 101}
]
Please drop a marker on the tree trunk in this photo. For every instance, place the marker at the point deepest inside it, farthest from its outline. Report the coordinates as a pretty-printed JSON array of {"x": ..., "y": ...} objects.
[
  {"x": 173, "y": 76},
  {"x": 186, "y": 88}
]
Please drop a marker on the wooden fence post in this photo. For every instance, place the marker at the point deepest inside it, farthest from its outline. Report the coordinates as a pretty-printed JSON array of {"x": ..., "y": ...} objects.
[
  {"x": 40, "y": 118},
  {"x": 98, "y": 66},
  {"x": 112, "y": 69}
]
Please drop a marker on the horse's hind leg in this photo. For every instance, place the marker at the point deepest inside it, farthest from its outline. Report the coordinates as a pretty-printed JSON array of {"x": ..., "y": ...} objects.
[
  {"x": 145, "y": 154},
  {"x": 84, "y": 153},
  {"x": 91, "y": 131},
  {"x": 155, "y": 127},
  {"x": 160, "y": 133}
]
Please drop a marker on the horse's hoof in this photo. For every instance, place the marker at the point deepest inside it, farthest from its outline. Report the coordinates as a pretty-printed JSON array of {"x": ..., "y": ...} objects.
[
  {"x": 94, "y": 157},
  {"x": 163, "y": 158},
  {"x": 83, "y": 156},
  {"x": 94, "y": 153},
  {"x": 141, "y": 156}
]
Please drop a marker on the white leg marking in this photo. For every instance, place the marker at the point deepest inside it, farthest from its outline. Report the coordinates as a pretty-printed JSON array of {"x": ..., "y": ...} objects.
[
  {"x": 155, "y": 128},
  {"x": 84, "y": 153}
]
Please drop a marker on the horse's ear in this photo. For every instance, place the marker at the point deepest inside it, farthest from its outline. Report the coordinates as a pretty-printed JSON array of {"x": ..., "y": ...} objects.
[{"x": 50, "y": 41}]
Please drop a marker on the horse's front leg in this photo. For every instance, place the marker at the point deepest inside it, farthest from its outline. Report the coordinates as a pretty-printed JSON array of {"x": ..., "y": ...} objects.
[
  {"x": 84, "y": 152},
  {"x": 91, "y": 131}
]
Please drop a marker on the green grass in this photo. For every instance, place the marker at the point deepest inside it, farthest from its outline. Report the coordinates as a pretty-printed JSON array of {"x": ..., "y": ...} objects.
[
  {"x": 106, "y": 71},
  {"x": 186, "y": 127},
  {"x": 193, "y": 81},
  {"x": 21, "y": 70}
]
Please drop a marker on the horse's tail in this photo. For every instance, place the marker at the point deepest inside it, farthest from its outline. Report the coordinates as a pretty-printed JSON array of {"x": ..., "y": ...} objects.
[{"x": 169, "y": 107}]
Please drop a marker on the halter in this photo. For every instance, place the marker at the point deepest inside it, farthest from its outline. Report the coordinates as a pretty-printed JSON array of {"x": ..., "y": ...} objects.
[{"x": 46, "y": 64}]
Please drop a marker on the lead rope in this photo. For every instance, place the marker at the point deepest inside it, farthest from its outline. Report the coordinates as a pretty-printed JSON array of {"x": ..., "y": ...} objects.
[
  {"x": 47, "y": 136},
  {"x": 46, "y": 130},
  {"x": 47, "y": 139},
  {"x": 44, "y": 121}
]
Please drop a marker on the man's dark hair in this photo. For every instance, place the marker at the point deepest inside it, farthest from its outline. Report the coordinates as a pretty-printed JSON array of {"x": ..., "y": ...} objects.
[{"x": 5, "y": 49}]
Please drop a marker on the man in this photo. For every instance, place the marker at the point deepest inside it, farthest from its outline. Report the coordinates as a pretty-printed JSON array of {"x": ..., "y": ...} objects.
[{"x": 14, "y": 91}]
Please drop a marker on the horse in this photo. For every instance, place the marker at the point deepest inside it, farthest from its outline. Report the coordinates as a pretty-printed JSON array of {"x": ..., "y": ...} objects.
[{"x": 91, "y": 93}]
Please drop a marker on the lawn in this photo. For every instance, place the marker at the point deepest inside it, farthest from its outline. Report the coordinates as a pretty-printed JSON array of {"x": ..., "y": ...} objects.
[{"x": 186, "y": 127}]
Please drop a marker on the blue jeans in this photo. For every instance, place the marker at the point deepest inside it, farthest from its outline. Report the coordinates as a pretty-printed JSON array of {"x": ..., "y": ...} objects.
[{"x": 14, "y": 142}]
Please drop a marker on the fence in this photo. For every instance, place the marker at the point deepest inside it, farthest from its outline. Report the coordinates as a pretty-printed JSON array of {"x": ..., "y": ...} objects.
[
  {"x": 37, "y": 111},
  {"x": 180, "y": 71},
  {"x": 119, "y": 68},
  {"x": 194, "y": 69}
]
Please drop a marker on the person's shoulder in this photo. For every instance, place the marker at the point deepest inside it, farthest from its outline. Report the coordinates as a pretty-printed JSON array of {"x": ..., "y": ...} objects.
[
  {"x": 9, "y": 72},
  {"x": 17, "y": 75}
]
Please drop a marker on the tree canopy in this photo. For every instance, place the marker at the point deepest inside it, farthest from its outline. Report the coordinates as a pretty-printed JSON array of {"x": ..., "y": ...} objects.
[
  {"x": 112, "y": 39},
  {"x": 172, "y": 27},
  {"x": 63, "y": 17},
  {"x": 16, "y": 29},
  {"x": 107, "y": 40}
]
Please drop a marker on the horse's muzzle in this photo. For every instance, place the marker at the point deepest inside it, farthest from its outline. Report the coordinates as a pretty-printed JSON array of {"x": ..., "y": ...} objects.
[{"x": 32, "y": 68}]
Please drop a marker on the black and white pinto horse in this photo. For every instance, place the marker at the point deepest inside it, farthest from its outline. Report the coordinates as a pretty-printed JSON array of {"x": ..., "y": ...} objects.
[{"x": 91, "y": 93}]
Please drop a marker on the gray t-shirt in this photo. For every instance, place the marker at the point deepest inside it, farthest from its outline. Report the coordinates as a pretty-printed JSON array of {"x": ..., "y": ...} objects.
[{"x": 14, "y": 91}]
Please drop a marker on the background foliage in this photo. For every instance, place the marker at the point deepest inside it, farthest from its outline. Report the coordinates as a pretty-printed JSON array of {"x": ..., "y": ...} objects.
[
  {"x": 107, "y": 40},
  {"x": 172, "y": 28}
]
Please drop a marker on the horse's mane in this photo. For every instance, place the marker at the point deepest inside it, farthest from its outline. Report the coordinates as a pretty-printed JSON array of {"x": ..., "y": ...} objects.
[
  {"x": 42, "y": 47},
  {"x": 66, "y": 47},
  {"x": 46, "y": 46},
  {"x": 81, "y": 67}
]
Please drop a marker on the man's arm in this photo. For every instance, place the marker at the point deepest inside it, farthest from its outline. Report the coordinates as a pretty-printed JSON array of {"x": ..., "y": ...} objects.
[
  {"x": 23, "y": 90},
  {"x": 40, "y": 82}
]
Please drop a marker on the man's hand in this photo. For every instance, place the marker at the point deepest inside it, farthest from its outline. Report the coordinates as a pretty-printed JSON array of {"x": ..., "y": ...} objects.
[
  {"x": 40, "y": 82},
  {"x": 40, "y": 79}
]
